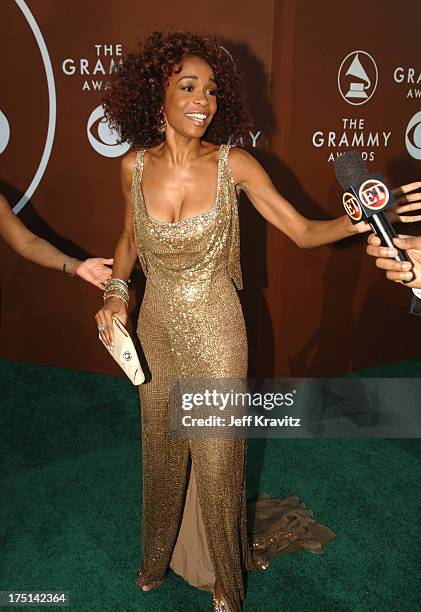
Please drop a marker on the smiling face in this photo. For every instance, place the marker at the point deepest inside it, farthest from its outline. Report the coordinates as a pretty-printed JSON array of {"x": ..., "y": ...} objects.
[{"x": 190, "y": 100}]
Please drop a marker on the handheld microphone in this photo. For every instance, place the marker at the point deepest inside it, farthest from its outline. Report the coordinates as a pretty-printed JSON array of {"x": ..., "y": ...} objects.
[{"x": 366, "y": 197}]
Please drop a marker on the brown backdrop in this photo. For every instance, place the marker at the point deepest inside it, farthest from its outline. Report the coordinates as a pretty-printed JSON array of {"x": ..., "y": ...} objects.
[{"x": 308, "y": 312}]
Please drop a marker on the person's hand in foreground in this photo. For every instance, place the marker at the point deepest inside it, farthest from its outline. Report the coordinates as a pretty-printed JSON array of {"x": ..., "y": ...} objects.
[
  {"x": 408, "y": 199},
  {"x": 398, "y": 271}
]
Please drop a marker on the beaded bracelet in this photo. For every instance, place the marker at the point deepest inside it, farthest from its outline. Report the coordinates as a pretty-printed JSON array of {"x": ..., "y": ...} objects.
[
  {"x": 116, "y": 282},
  {"x": 116, "y": 295},
  {"x": 112, "y": 286},
  {"x": 114, "y": 278},
  {"x": 120, "y": 289},
  {"x": 116, "y": 292}
]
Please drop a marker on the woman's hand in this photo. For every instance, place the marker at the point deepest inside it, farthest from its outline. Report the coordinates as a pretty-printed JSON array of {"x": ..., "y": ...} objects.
[
  {"x": 398, "y": 271},
  {"x": 406, "y": 201},
  {"x": 113, "y": 306},
  {"x": 95, "y": 271}
]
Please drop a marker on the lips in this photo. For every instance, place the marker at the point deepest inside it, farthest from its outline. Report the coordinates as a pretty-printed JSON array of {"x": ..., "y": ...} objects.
[{"x": 198, "y": 119}]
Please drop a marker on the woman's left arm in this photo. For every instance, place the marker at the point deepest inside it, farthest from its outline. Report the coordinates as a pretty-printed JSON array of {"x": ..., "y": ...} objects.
[{"x": 249, "y": 176}]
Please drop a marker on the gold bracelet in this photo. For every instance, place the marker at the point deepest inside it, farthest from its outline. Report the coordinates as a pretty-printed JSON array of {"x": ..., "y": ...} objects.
[
  {"x": 116, "y": 295},
  {"x": 115, "y": 281},
  {"x": 108, "y": 292}
]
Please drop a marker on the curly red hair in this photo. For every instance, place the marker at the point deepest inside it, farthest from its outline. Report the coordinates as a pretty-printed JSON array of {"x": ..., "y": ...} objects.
[{"x": 135, "y": 93}]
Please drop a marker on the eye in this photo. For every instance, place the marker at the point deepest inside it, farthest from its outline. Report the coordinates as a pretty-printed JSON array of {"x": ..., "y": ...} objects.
[
  {"x": 213, "y": 92},
  {"x": 188, "y": 88}
]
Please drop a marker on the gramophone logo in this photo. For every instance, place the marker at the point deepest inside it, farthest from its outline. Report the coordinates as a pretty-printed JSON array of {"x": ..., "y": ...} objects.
[
  {"x": 357, "y": 77},
  {"x": 413, "y": 136}
]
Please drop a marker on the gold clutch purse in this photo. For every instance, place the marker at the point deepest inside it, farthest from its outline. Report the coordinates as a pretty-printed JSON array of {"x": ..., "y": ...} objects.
[{"x": 125, "y": 354}]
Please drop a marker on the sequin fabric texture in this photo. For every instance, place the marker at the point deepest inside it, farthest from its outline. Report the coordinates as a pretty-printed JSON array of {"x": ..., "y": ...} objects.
[{"x": 191, "y": 325}]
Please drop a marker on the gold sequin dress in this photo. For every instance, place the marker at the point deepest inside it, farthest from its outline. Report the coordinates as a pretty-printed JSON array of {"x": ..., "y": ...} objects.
[{"x": 194, "y": 512}]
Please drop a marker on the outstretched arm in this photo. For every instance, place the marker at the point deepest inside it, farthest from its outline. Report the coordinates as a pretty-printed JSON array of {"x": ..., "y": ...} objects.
[
  {"x": 249, "y": 176},
  {"x": 41, "y": 252}
]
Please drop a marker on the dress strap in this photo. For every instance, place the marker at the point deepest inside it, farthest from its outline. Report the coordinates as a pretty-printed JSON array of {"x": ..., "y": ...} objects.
[
  {"x": 139, "y": 164},
  {"x": 137, "y": 174},
  {"x": 223, "y": 153},
  {"x": 234, "y": 265},
  {"x": 136, "y": 193}
]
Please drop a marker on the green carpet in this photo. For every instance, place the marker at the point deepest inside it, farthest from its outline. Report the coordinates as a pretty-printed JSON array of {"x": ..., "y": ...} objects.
[{"x": 71, "y": 495}]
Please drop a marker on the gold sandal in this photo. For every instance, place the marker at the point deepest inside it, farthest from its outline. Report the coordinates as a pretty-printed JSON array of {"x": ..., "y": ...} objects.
[
  {"x": 139, "y": 581},
  {"x": 218, "y": 602},
  {"x": 218, "y": 605}
]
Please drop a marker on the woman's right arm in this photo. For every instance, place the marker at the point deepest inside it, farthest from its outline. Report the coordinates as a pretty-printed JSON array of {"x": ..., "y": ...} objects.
[{"x": 124, "y": 257}]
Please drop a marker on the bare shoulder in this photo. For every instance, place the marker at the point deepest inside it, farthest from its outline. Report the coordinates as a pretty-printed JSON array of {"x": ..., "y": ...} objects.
[
  {"x": 210, "y": 150},
  {"x": 239, "y": 157},
  {"x": 128, "y": 163},
  {"x": 6, "y": 213},
  {"x": 4, "y": 206},
  {"x": 242, "y": 164}
]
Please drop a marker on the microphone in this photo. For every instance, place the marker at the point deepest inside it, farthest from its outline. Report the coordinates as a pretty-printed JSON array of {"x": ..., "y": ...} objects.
[{"x": 366, "y": 197}]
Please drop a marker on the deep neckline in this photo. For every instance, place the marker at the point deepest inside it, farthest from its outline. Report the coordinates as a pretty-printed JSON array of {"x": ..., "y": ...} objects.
[{"x": 205, "y": 213}]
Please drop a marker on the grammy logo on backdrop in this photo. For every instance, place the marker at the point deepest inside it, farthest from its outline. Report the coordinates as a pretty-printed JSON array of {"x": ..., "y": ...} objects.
[
  {"x": 357, "y": 88},
  {"x": 357, "y": 77}
]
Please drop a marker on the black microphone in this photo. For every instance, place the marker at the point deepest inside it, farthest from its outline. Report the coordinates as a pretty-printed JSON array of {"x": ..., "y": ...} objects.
[{"x": 366, "y": 197}]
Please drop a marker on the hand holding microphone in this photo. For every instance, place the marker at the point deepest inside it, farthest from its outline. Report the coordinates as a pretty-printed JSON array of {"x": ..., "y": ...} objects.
[
  {"x": 409, "y": 200},
  {"x": 396, "y": 270}
]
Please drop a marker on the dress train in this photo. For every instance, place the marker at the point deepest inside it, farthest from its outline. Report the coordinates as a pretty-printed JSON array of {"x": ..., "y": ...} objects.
[{"x": 275, "y": 526}]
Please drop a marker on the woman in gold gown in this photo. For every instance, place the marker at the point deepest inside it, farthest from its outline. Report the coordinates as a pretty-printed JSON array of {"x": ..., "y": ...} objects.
[{"x": 178, "y": 101}]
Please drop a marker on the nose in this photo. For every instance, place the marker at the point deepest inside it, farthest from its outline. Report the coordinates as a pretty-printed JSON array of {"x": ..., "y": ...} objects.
[{"x": 201, "y": 98}]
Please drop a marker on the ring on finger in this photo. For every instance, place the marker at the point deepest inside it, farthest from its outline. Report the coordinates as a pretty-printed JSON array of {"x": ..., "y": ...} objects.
[{"x": 102, "y": 327}]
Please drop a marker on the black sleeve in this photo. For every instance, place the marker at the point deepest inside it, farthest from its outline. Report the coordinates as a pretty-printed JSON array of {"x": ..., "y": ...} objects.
[{"x": 415, "y": 306}]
